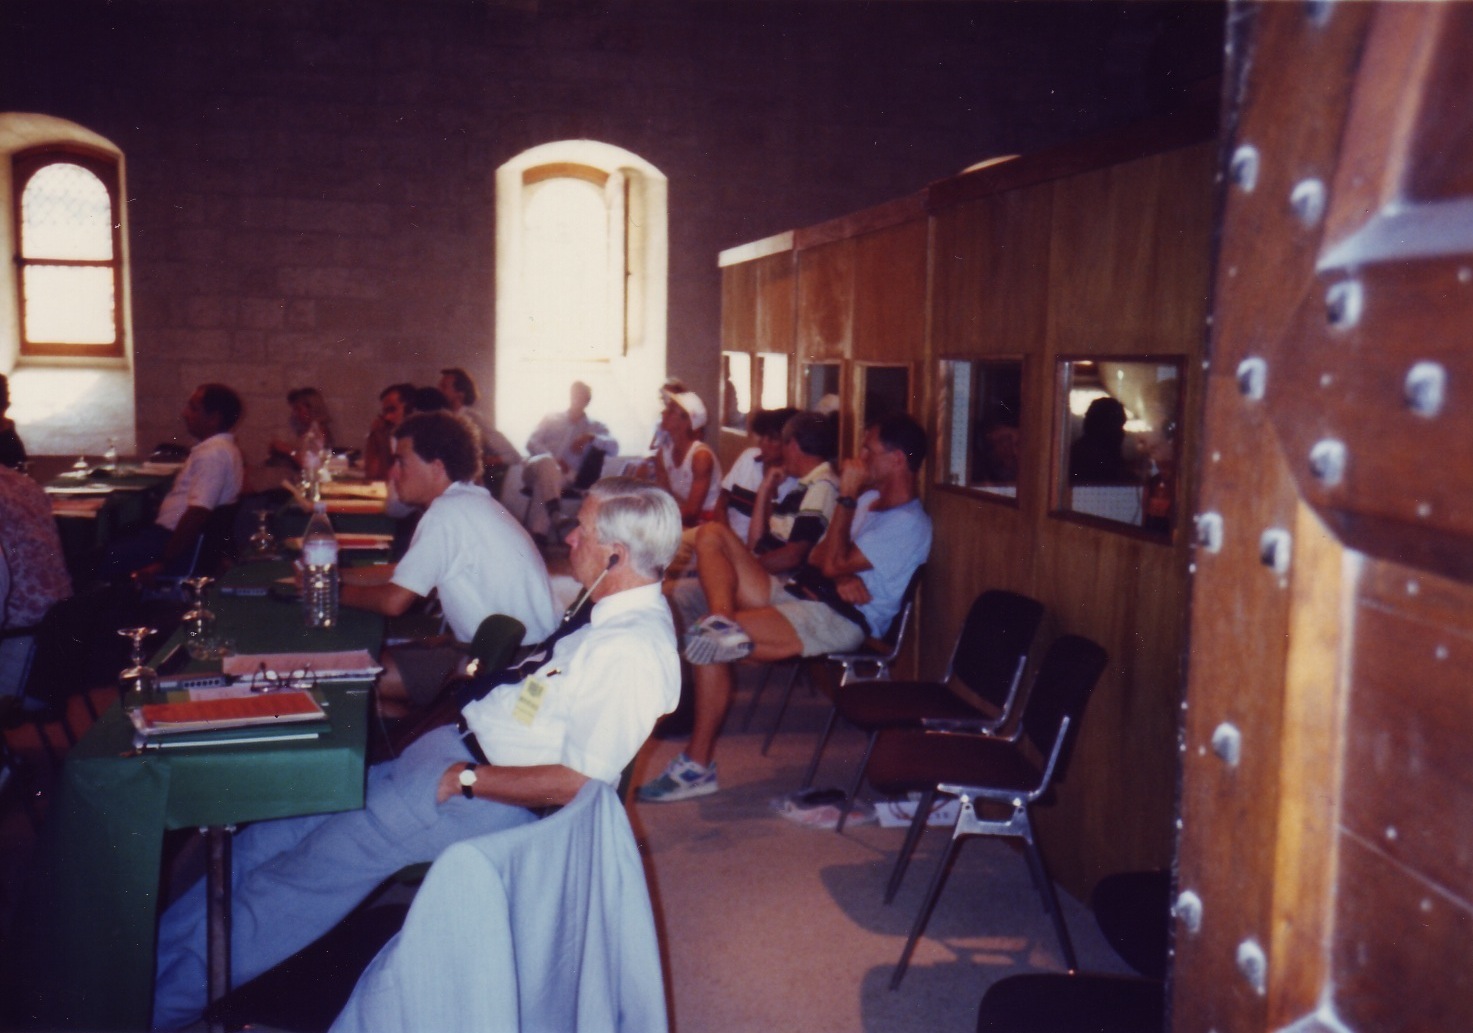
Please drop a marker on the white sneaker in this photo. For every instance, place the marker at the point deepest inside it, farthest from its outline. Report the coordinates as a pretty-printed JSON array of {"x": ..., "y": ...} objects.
[{"x": 716, "y": 640}]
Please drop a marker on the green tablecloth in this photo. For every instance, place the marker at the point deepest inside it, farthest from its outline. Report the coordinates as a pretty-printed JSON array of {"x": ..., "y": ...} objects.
[{"x": 96, "y": 875}]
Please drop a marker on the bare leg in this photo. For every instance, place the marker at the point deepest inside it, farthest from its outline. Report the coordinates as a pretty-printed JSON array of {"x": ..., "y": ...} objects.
[
  {"x": 773, "y": 638},
  {"x": 730, "y": 575}
]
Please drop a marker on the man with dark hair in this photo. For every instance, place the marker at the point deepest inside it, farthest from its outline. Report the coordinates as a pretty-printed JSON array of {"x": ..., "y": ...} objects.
[
  {"x": 739, "y": 486},
  {"x": 460, "y": 390},
  {"x": 467, "y": 549},
  {"x": 850, "y": 588},
  {"x": 579, "y": 708},
  {"x": 211, "y": 477},
  {"x": 395, "y": 403}
]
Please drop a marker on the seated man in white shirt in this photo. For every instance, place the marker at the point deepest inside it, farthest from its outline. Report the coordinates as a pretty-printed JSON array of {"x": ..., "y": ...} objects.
[
  {"x": 558, "y": 447},
  {"x": 211, "y": 477},
  {"x": 578, "y": 709},
  {"x": 467, "y": 548}
]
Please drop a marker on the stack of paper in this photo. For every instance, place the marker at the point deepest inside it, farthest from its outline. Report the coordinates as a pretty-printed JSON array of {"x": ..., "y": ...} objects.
[
  {"x": 349, "y": 665},
  {"x": 270, "y": 708}
]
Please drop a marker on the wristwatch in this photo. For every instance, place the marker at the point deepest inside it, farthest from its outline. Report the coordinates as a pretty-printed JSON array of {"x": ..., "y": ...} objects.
[
  {"x": 847, "y": 501},
  {"x": 468, "y": 781}
]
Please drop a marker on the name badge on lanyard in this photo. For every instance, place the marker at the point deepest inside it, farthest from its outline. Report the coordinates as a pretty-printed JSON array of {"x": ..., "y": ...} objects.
[{"x": 534, "y": 691}]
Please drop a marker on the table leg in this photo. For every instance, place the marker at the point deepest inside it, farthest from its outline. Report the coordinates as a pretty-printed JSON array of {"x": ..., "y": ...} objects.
[{"x": 217, "y": 893}]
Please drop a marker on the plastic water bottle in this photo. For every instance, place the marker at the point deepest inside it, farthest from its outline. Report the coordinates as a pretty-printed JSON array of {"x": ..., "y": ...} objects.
[
  {"x": 312, "y": 445},
  {"x": 320, "y": 570}
]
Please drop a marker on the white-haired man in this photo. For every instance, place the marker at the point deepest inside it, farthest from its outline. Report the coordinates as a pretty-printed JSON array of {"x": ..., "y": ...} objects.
[{"x": 578, "y": 709}]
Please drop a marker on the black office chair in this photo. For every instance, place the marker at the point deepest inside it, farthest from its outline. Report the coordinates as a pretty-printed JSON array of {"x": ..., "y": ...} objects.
[
  {"x": 990, "y": 770},
  {"x": 1133, "y": 912},
  {"x": 988, "y": 658},
  {"x": 872, "y": 661}
]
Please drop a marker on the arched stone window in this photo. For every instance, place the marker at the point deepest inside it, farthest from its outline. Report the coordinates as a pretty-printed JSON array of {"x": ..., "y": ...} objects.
[{"x": 580, "y": 286}]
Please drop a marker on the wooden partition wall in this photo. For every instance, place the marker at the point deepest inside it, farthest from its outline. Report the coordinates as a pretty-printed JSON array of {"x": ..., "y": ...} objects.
[{"x": 1099, "y": 249}]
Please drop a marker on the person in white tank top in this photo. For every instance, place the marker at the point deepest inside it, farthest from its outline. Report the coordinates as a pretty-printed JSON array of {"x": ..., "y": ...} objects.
[{"x": 686, "y": 466}]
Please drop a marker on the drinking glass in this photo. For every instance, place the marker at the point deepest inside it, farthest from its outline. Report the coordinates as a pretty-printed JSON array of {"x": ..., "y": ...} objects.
[
  {"x": 202, "y": 638},
  {"x": 262, "y": 543},
  {"x": 138, "y": 681}
]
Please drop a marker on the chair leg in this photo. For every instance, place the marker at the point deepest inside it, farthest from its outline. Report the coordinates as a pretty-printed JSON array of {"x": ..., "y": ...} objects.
[
  {"x": 912, "y": 839},
  {"x": 858, "y": 780},
  {"x": 937, "y": 882},
  {"x": 783, "y": 707},
  {"x": 823, "y": 741},
  {"x": 1045, "y": 887},
  {"x": 757, "y": 695}
]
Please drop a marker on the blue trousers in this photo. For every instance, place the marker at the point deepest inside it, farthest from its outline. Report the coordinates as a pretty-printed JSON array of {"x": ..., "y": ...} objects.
[{"x": 293, "y": 879}]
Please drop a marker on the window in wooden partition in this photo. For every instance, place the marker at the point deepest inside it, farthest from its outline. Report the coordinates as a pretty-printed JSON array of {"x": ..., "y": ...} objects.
[
  {"x": 883, "y": 390},
  {"x": 68, "y": 255},
  {"x": 821, "y": 386},
  {"x": 736, "y": 390},
  {"x": 1119, "y": 420},
  {"x": 772, "y": 376},
  {"x": 980, "y": 424}
]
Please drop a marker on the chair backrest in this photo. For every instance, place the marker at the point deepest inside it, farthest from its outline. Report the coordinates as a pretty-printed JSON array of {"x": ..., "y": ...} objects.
[
  {"x": 993, "y": 644},
  {"x": 589, "y": 468},
  {"x": 1065, "y": 679},
  {"x": 496, "y": 641}
]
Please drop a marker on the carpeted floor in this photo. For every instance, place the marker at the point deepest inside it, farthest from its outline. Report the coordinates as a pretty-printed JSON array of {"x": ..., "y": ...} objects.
[{"x": 767, "y": 925}]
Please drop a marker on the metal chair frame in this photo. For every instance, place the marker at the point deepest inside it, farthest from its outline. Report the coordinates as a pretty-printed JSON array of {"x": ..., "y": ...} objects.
[
  {"x": 1065, "y": 680},
  {"x": 879, "y": 653},
  {"x": 982, "y": 724}
]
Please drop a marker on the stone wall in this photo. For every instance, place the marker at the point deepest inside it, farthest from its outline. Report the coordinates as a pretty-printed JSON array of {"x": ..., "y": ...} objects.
[{"x": 310, "y": 182}]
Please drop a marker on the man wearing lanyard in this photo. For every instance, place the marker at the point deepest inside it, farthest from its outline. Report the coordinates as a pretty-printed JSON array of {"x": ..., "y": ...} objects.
[{"x": 580, "y": 710}]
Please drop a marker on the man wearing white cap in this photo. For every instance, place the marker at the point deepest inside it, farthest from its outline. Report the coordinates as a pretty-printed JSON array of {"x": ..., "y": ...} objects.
[{"x": 685, "y": 465}]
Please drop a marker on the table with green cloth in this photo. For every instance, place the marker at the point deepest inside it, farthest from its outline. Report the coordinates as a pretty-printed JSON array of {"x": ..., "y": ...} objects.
[{"x": 95, "y": 893}]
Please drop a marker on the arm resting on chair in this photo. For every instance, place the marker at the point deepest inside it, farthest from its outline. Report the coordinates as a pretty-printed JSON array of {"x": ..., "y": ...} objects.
[{"x": 540, "y": 785}]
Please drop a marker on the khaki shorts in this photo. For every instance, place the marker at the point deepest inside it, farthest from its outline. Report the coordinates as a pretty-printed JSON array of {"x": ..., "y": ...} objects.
[{"x": 820, "y": 628}]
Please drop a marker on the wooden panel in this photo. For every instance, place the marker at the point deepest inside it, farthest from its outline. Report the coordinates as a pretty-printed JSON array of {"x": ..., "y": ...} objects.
[
  {"x": 825, "y": 318},
  {"x": 1337, "y": 842},
  {"x": 990, "y": 275},
  {"x": 1114, "y": 811},
  {"x": 1128, "y": 272},
  {"x": 911, "y": 208},
  {"x": 1383, "y": 981},
  {"x": 757, "y": 305},
  {"x": 890, "y": 294},
  {"x": 1411, "y": 723}
]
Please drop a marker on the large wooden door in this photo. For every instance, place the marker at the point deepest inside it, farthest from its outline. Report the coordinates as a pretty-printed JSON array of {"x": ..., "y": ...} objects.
[{"x": 1326, "y": 843}]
